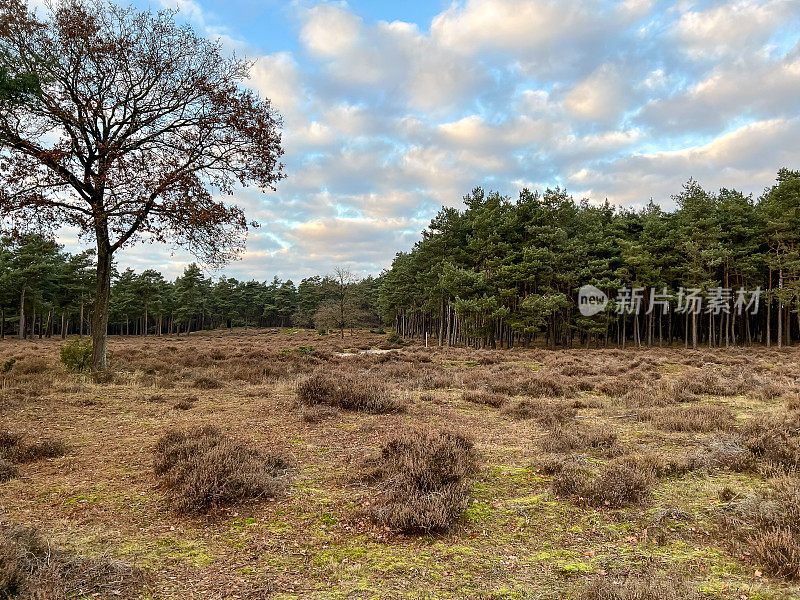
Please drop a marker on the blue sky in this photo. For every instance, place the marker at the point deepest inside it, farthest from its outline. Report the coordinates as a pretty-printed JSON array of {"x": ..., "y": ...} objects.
[{"x": 392, "y": 109}]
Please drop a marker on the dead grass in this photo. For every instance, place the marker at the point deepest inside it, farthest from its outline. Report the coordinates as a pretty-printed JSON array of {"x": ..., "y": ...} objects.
[
  {"x": 317, "y": 412},
  {"x": 202, "y": 469}
]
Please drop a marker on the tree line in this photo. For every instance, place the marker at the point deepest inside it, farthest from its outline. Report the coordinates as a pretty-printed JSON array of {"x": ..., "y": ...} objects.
[
  {"x": 505, "y": 273},
  {"x": 45, "y": 292}
]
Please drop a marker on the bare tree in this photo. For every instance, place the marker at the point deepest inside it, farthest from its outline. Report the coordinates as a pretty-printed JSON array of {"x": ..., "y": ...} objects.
[
  {"x": 342, "y": 311},
  {"x": 138, "y": 129}
]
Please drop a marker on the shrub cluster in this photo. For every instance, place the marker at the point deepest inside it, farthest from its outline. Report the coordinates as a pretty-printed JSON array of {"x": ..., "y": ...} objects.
[
  {"x": 647, "y": 587},
  {"x": 77, "y": 354},
  {"x": 31, "y": 569},
  {"x": 702, "y": 418},
  {"x": 565, "y": 440},
  {"x": 619, "y": 483},
  {"x": 483, "y": 397},
  {"x": 775, "y": 441},
  {"x": 424, "y": 479},
  {"x": 14, "y": 450},
  {"x": 349, "y": 392},
  {"x": 203, "y": 469},
  {"x": 546, "y": 412},
  {"x": 772, "y": 525}
]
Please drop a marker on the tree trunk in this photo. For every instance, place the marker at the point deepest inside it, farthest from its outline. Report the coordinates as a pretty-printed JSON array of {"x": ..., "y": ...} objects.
[
  {"x": 100, "y": 313},
  {"x": 22, "y": 314}
]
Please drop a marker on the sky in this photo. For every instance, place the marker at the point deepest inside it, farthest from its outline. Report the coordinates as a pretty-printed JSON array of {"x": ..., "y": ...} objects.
[{"x": 392, "y": 109}]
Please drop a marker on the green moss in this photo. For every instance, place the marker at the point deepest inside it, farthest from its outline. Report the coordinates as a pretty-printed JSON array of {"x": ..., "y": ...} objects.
[
  {"x": 154, "y": 550},
  {"x": 478, "y": 512},
  {"x": 574, "y": 568}
]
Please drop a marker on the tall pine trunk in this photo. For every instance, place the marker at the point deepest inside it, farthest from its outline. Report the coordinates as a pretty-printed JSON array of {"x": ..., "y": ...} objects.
[{"x": 22, "y": 314}]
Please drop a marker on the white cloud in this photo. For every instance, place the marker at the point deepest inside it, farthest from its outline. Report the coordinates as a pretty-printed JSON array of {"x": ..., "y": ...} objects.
[
  {"x": 599, "y": 97},
  {"x": 730, "y": 27},
  {"x": 330, "y": 30}
]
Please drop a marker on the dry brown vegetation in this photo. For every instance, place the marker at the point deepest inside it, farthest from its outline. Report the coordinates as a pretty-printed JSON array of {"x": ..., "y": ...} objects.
[
  {"x": 293, "y": 465},
  {"x": 363, "y": 393},
  {"x": 32, "y": 569},
  {"x": 201, "y": 468},
  {"x": 423, "y": 475}
]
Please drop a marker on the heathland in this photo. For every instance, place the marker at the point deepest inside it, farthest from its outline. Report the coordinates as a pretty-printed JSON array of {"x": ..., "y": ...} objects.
[{"x": 283, "y": 463}]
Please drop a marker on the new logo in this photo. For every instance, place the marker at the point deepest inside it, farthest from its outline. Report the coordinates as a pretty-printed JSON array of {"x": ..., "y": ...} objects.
[{"x": 591, "y": 300}]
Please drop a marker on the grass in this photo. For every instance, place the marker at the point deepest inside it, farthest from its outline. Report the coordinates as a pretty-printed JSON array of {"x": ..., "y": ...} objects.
[{"x": 699, "y": 520}]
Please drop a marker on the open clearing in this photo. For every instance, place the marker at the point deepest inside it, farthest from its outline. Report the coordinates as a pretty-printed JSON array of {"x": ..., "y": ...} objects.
[{"x": 535, "y": 416}]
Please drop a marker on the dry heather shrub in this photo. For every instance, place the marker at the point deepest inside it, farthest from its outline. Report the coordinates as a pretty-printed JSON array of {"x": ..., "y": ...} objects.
[
  {"x": 546, "y": 412},
  {"x": 723, "y": 452},
  {"x": 484, "y": 397},
  {"x": 203, "y": 469},
  {"x": 615, "y": 387},
  {"x": 660, "y": 464},
  {"x": 544, "y": 385},
  {"x": 565, "y": 441},
  {"x": 646, "y": 396},
  {"x": 775, "y": 441},
  {"x": 537, "y": 385},
  {"x": 348, "y": 392},
  {"x": 707, "y": 382},
  {"x": 777, "y": 551},
  {"x": 702, "y": 418},
  {"x": 260, "y": 372},
  {"x": 32, "y": 366},
  {"x": 317, "y": 413},
  {"x": 619, "y": 483},
  {"x": 8, "y": 470},
  {"x": 206, "y": 383},
  {"x": 424, "y": 474},
  {"x": 770, "y": 526},
  {"x": 31, "y": 569},
  {"x": 646, "y": 587},
  {"x": 675, "y": 391},
  {"x": 13, "y": 448},
  {"x": 588, "y": 403}
]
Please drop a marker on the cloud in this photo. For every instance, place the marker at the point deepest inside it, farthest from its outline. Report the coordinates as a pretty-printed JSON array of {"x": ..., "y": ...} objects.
[
  {"x": 730, "y": 27},
  {"x": 386, "y": 120},
  {"x": 330, "y": 30},
  {"x": 599, "y": 97},
  {"x": 745, "y": 158}
]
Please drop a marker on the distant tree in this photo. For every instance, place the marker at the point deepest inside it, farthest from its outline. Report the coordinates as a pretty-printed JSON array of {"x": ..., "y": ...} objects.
[
  {"x": 342, "y": 311},
  {"x": 133, "y": 120}
]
